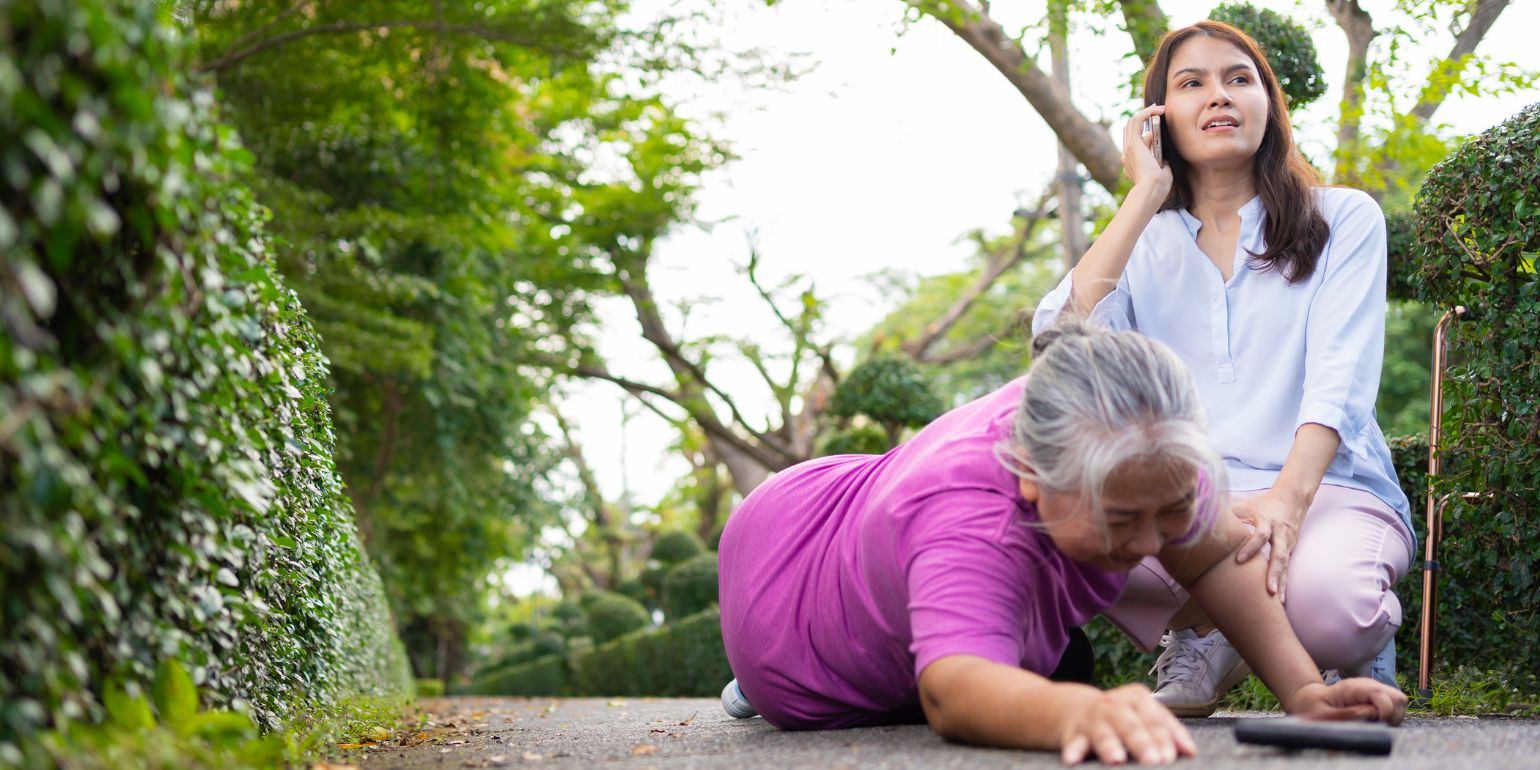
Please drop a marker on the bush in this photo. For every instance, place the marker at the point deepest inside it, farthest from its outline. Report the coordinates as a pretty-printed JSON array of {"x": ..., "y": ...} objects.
[
  {"x": 1477, "y": 238},
  {"x": 547, "y": 675},
  {"x": 611, "y": 615},
  {"x": 690, "y": 587},
  {"x": 685, "y": 659},
  {"x": 167, "y": 484},
  {"x": 889, "y": 390},
  {"x": 1287, "y": 45},
  {"x": 635, "y": 589},
  {"x": 857, "y": 440},
  {"x": 675, "y": 546},
  {"x": 571, "y": 618},
  {"x": 1400, "y": 242}
]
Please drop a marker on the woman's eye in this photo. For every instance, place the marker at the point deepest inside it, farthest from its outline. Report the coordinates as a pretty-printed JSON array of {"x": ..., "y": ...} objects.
[{"x": 1241, "y": 79}]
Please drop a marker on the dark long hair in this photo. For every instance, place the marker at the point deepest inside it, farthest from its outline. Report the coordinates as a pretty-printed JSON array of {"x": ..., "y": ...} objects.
[{"x": 1294, "y": 229}]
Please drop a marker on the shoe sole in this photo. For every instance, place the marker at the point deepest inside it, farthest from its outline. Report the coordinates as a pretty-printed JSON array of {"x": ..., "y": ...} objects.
[{"x": 1234, "y": 678}]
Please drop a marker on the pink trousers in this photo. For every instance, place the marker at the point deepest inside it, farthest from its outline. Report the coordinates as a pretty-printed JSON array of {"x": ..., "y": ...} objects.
[{"x": 1352, "y": 548}]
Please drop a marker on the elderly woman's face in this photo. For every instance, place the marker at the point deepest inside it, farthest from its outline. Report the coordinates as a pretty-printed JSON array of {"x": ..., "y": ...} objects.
[{"x": 1144, "y": 506}]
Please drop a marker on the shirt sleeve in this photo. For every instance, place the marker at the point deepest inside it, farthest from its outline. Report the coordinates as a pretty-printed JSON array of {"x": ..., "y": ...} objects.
[
  {"x": 1345, "y": 327},
  {"x": 1114, "y": 311},
  {"x": 962, "y": 599}
]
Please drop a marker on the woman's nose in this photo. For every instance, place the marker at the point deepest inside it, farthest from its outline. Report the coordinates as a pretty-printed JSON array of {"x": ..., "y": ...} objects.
[
  {"x": 1220, "y": 97},
  {"x": 1147, "y": 541}
]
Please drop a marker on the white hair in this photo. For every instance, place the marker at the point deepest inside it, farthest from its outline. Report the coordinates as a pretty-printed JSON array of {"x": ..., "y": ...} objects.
[{"x": 1096, "y": 400}]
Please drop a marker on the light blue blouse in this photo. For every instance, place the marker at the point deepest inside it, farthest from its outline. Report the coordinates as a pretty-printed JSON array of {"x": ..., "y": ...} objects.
[{"x": 1268, "y": 356}]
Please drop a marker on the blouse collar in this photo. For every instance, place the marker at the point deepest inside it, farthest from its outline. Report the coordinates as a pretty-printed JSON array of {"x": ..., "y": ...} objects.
[{"x": 1250, "y": 214}]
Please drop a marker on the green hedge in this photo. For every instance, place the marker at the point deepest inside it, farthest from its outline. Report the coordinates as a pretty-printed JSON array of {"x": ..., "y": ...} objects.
[
  {"x": 611, "y": 615},
  {"x": 685, "y": 659},
  {"x": 1477, "y": 240},
  {"x": 167, "y": 486},
  {"x": 547, "y": 675},
  {"x": 690, "y": 587}
]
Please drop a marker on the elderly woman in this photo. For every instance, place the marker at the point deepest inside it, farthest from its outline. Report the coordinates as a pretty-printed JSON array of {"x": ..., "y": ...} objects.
[{"x": 940, "y": 581}]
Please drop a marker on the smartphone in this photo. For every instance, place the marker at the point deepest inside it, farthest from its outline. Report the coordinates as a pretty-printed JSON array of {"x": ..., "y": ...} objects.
[{"x": 1152, "y": 125}]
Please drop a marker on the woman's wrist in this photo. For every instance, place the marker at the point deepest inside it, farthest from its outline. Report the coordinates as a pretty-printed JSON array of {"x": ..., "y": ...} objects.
[{"x": 1147, "y": 195}]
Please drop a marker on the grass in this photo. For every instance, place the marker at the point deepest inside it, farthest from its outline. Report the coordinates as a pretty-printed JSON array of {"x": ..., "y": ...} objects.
[{"x": 1465, "y": 690}]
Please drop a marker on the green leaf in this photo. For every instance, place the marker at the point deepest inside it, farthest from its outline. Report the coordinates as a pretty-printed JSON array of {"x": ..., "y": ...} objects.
[
  {"x": 222, "y": 726},
  {"x": 176, "y": 697},
  {"x": 129, "y": 713}
]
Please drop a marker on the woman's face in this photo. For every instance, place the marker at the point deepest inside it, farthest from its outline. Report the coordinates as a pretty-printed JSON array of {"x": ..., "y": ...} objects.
[
  {"x": 1145, "y": 507},
  {"x": 1216, "y": 105}
]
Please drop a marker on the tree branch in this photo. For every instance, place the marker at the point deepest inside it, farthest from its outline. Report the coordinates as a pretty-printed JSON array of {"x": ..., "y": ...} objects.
[
  {"x": 1481, "y": 20},
  {"x": 655, "y": 332},
  {"x": 708, "y": 422},
  {"x": 999, "y": 263},
  {"x": 1088, "y": 141},
  {"x": 1146, "y": 24},
  {"x": 1359, "y": 28}
]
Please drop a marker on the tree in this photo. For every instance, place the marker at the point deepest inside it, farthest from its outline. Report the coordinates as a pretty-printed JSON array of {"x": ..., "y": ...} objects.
[{"x": 427, "y": 165}]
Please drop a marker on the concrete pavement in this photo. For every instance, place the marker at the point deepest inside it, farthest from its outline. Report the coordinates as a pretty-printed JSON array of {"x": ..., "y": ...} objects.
[{"x": 681, "y": 734}]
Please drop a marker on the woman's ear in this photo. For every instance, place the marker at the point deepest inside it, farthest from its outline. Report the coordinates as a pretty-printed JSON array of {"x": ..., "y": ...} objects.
[{"x": 1030, "y": 491}]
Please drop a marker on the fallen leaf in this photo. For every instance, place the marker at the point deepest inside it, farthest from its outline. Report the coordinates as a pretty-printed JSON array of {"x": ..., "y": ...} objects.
[
  {"x": 379, "y": 734},
  {"x": 350, "y": 745},
  {"x": 455, "y": 742},
  {"x": 331, "y": 766},
  {"x": 643, "y": 749},
  {"x": 688, "y": 719},
  {"x": 616, "y": 704},
  {"x": 530, "y": 756}
]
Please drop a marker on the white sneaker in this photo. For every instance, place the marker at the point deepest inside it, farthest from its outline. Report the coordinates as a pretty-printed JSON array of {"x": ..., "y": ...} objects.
[
  {"x": 1195, "y": 671},
  {"x": 735, "y": 704}
]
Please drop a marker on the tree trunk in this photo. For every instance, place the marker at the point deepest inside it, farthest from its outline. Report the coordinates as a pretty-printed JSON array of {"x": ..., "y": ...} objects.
[
  {"x": 1071, "y": 218},
  {"x": 1359, "y": 28},
  {"x": 1088, "y": 141}
]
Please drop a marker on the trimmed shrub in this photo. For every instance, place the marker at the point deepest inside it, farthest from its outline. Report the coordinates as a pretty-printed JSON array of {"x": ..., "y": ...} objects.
[
  {"x": 675, "y": 546},
  {"x": 1287, "y": 45},
  {"x": 546, "y": 675},
  {"x": 634, "y": 589},
  {"x": 1477, "y": 240},
  {"x": 685, "y": 659},
  {"x": 611, "y": 615},
  {"x": 889, "y": 390},
  {"x": 167, "y": 485},
  {"x": 857, "y": 440},
  {"x": 571, "y": 618},
  {"x": 1400, "y": 240},
  {"x": 690, "y": 587}
]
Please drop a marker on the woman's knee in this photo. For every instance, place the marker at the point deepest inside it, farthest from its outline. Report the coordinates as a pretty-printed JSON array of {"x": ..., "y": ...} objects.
[{"x": 1341, "y": 625}]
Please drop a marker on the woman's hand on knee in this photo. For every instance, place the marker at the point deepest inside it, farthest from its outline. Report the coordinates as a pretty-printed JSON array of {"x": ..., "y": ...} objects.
[
  {"x": 1355, "y": 698},
  {"x": 1125, "y": 723},
  {"x": 1275, "y": 522}
]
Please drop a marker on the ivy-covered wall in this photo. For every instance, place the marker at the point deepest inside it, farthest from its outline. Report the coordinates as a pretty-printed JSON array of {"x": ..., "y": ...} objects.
[{"x": 167, "y": 487}]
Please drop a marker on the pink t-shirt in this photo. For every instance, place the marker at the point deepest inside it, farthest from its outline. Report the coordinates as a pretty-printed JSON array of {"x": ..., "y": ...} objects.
[{"x": 843, "y": 577}]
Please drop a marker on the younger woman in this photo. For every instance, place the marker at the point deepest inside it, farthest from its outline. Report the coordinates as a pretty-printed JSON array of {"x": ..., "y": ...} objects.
[
  {"x": 1272, "y": 289},
  {"x": 940, "y": 581}
]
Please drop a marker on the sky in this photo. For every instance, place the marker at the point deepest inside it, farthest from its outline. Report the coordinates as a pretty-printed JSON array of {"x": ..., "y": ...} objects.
[{"x": 900, "y": 141}]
